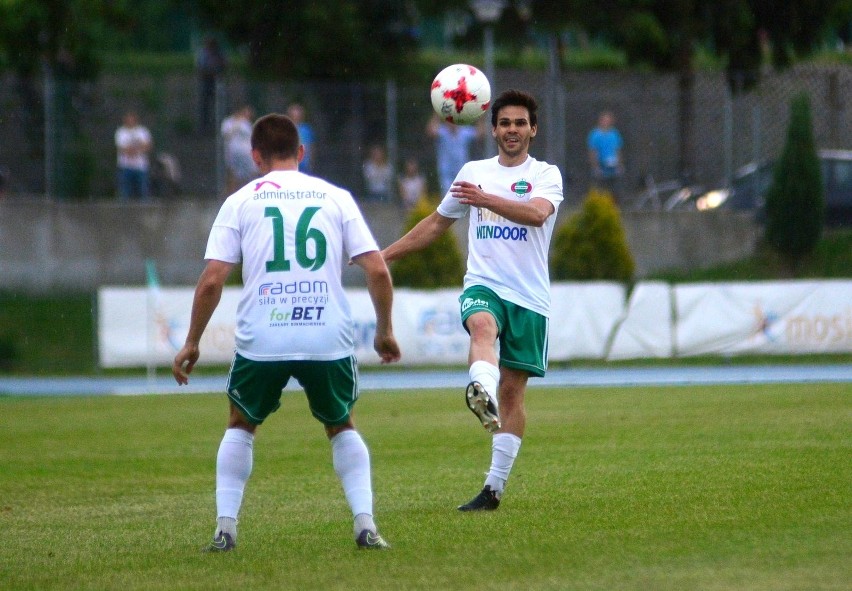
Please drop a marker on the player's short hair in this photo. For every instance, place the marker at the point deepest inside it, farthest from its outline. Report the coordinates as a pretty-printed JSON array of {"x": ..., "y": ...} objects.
[
  {"x": 275, "y": 136},
  {"x": 515, "y": 98}
]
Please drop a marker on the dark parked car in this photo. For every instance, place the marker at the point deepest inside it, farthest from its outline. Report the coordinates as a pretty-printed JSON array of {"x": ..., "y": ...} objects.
[{"x": 751, "y": 182}]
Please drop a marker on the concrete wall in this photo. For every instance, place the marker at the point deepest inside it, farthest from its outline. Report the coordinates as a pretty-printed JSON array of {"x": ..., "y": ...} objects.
[{"x": 47, "y": 246}]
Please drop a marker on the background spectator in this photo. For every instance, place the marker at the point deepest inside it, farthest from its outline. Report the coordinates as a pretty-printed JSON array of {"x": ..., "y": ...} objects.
[
  {"x": 411, "y": 184},
  {"x": 211, "y": 64},
  {"x": 133, "y": 144},
  {"x": 605, "y": 143},
  {"x": 378, "y": 175},
  {"x": 236, "y": 138},
  {"x": 452, "y": 147},
  {"x": 296, "y": 112}
]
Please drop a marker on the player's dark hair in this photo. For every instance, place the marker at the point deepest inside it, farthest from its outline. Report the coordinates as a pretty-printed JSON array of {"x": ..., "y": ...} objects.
[
  {"x": 515, "y": 98},
  {"x": 275, "y": 136}
]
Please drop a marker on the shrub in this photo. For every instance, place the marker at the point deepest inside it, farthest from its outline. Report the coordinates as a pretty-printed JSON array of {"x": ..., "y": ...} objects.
[
  {"x": 79, "y": 169},
  {"x": 591, "y": 244},
  {"x": 795, "y": 204},
  {"x": 8, "y": 352},
  {"x": 438, "y": 265}
]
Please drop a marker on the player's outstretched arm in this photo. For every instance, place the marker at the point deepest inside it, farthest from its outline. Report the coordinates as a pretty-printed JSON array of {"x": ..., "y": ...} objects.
[
  {"x": 380, "y": 288},
  {"x": 208, "y": 292},
  {"x": 419, "y": 237},
  {"x": 532, "y": 213}
]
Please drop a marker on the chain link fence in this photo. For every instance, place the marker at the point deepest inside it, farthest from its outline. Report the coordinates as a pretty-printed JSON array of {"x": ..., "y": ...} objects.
[
  {"x": 57, "y": 135},
  {"x": 730, "y": 129}
]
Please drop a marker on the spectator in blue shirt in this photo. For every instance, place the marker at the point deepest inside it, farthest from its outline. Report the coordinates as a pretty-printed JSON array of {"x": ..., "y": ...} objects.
[
  {"x": 296, "y": 112},
  {"x": 452, "y": 148},
  {"x": 605, "y": 143}
]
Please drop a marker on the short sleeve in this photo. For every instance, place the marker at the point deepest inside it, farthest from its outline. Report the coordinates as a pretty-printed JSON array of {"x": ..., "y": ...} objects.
[
  {"x": 549, "y": 186},
  {"x": 223, "y": 243},
  {"x": 449, "y": 207},
  {"x": 357, "y": 237}
]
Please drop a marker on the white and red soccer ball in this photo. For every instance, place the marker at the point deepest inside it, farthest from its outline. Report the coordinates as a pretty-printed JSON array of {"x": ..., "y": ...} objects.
[{"x": 461, "y": 94}]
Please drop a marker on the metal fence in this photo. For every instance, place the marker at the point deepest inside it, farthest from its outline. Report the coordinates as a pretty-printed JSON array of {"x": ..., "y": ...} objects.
[{"x": 57, "y": 136}]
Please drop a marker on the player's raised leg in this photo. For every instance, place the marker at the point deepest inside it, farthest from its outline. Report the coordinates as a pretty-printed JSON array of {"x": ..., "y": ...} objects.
[{"x": 481, "y": 392}]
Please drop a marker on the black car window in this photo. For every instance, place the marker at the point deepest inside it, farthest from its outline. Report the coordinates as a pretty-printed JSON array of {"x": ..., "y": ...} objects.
[{"x": 843, "y": 175}]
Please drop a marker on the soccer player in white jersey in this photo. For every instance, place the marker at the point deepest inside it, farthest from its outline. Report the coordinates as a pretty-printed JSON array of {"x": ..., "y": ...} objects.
[
  {"x": 512, "y": 201},
  {"x": 291, "y": 232}
]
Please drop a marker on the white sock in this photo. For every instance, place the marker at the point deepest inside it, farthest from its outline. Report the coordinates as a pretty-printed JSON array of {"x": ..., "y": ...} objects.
[
  {"x": 362, "y": 522},
  {"x": 233, "y": 468},
  {"x": 352, "y": 464},
  {"x": 486, "y": 374},
  {"x": 504, "y": 450},
  {"x": 226, "y": 525}
]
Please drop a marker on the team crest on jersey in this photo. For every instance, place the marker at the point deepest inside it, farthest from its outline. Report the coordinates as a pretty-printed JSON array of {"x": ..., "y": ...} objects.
[{"x": 521, "y": 188}]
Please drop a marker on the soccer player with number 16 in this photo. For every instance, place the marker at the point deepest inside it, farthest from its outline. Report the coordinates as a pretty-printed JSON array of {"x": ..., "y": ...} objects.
[{"x": 290, "y": 231}]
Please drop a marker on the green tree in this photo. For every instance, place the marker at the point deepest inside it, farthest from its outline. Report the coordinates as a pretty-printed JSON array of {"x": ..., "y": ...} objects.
[
  {"x": 795, "y": 203},
  {"x": 666, "y": 35},
  {"x": 340, "y": 39},
  {"x": 592, "y": 245},
  {"x": 62, "y": 35},
  {"x": 438, "y": 265},
  {"x": 69, "y": 36}
]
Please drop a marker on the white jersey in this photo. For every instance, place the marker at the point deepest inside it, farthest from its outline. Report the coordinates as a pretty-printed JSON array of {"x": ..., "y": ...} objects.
[
  {"x": 133, "y": 139},
  {"x": 509, "y": 258},
  {"x": 291, "y": 232},
  {"x": 236, "y": 132}
]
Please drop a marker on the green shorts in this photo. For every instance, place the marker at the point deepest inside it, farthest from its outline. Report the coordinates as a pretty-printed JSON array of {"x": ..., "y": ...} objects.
[
  {"x": 330, "y": 386},
  {"x": 522, "y": 333}
]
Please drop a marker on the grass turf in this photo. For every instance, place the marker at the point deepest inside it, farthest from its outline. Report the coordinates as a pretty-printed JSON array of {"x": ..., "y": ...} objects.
[{"x": 734, "y": 487}]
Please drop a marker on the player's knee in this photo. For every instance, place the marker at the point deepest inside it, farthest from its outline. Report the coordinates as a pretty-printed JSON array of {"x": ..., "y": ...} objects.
[
  {"x": 482, "y": 325},
  {"x": 237, "y": 420}
]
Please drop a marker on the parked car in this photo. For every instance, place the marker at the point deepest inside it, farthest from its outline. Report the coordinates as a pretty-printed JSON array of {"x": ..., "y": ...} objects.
[{"x": 751, "y": 182}]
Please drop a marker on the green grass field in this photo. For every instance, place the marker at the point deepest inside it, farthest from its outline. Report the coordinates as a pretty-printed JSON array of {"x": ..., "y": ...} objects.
[{"x": 681, "y": 488}]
